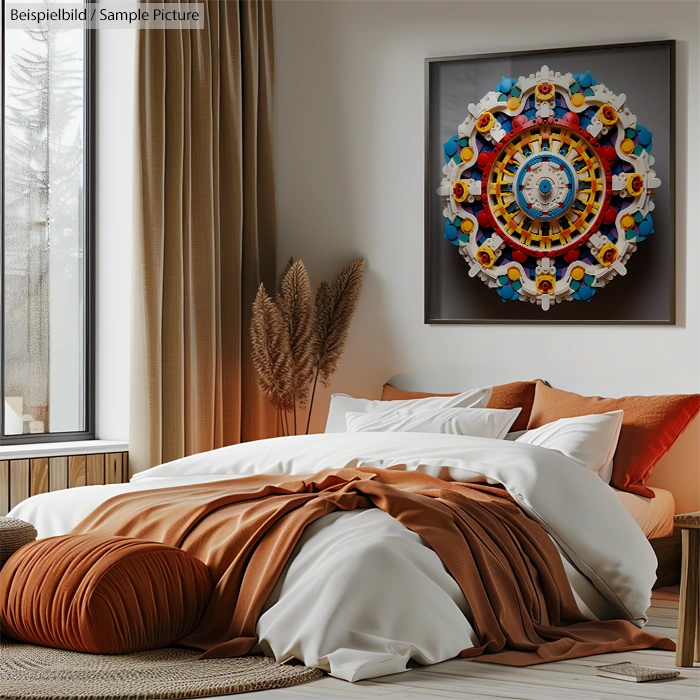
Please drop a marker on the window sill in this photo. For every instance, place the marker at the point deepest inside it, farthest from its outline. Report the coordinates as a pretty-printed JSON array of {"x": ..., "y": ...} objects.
[{"x": 61, "y": 449}]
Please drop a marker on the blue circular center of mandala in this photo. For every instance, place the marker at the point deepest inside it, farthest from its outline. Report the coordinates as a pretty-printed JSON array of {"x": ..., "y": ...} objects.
[{"x": 545, "y": 185}]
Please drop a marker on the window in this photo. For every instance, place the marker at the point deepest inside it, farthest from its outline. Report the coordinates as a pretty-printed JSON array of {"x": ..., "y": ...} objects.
[{"x": 46, "y": 290}]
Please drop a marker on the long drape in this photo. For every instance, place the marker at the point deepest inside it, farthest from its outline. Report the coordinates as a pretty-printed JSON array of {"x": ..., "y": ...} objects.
[{"x": 205, "y": 231}]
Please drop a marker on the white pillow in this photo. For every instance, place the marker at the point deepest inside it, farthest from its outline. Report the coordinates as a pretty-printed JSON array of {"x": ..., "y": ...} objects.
[
  {"x": 476, "y": 422},
  {"x": 590, "y": 440},
  {"x": 342, "y": 404}
]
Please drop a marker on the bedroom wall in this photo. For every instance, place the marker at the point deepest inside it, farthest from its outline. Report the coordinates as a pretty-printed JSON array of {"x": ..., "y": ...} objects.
[{"x": 350, "y": 153}]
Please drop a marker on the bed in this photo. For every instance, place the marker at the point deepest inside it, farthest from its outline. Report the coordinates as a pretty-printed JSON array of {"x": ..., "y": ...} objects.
[
  {"x": 655, "y": 518},
  {"x": 666, "y": 427},
  {"x": 340, "y": 601}
]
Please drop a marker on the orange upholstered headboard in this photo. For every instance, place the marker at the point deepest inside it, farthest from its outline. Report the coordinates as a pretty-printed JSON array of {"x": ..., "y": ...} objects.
[{"x": 679, "y": 470}]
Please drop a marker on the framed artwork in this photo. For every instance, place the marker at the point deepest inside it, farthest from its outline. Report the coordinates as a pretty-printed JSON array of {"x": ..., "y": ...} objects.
[{"x": 550, "y": 186}]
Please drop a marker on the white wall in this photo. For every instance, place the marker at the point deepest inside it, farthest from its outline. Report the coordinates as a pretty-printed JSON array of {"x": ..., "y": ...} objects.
[
  {"x": 114, "y": 224},
  {"x": 350, "y": 155}
]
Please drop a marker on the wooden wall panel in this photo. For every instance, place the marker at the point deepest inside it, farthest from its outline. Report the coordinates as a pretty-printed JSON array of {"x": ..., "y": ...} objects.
[
  {"x": 39, "y": 476},
  {"x": 76, "y": 471},
  {"x": 19, "y": 481},
  {"x": 22, "y": 478},
  {"x": 58, "y": 473},
  {"x": 113, "y": 468},
  {"x": 4, "y": 487},
  {"x": 95, "y": 471}
]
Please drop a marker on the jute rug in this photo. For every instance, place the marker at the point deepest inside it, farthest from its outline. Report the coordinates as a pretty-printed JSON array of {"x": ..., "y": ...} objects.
[{"x": 30, "y": 672}]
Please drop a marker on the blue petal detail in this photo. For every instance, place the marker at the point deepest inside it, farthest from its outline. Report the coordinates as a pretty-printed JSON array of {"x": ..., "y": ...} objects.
[
  {"x": 646, "y": 228},
  {"x": 585, "y": 292},
  {"x": 644, "y": 136},
  {"x": 450, "y": 147},
  {"x": 451, "y": 233},
  {"x": 506, "y": 84},
  {"x": 585, "y": 80},
  {"x": 506, "y": 293}
]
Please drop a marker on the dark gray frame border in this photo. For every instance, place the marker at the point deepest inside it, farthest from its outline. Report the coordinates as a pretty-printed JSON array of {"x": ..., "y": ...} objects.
[
  {"x": 427, "y": 319},
  {"x": 89, "y": 214}
]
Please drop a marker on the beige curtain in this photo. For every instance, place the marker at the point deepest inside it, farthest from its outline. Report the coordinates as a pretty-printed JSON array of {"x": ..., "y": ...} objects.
[{"x": 206, "y": 231}]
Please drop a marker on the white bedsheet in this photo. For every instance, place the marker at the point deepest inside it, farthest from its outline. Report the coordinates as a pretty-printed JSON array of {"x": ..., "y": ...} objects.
[
  {"x": 363, "y": 594},
  {"x": 343, "y": 602},
  {"x": 653, "y": 515}
]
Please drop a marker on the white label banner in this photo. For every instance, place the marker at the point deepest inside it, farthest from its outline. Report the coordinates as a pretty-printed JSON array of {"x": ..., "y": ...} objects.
[{"x": 105, "y": 15}]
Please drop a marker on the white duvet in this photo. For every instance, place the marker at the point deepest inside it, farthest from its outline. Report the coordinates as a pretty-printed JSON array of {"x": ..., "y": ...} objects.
[{"x": 363, "y": 595}]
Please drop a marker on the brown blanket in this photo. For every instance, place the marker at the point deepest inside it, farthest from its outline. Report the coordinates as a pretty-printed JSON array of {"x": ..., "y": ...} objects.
[{"x": 244, "y": 530}]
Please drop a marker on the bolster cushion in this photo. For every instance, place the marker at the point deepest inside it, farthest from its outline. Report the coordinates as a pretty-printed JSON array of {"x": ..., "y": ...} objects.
[{"x": 105, "y": 595}]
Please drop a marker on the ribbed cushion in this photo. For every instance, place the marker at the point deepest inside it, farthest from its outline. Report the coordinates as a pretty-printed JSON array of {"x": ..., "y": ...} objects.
[{"x": 105, "y": 595}]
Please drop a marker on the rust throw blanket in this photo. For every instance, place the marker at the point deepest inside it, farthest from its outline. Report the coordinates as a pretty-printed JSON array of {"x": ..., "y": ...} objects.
[{"x": 244, "y": 530}]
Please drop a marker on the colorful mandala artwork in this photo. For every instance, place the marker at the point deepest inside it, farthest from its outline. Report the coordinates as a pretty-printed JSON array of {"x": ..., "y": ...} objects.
[{"x": 548, "y": 187}]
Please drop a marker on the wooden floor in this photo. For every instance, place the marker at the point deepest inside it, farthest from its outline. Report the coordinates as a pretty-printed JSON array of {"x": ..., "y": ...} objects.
[{"x": 460, "y": 678}]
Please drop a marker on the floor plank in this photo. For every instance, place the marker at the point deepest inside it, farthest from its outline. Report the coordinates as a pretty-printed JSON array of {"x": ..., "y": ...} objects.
[{"x": 464, "y": 679}]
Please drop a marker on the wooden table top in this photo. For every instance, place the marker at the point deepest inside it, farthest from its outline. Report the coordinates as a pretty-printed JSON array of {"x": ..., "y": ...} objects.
[{"x": 688, "y": 520}]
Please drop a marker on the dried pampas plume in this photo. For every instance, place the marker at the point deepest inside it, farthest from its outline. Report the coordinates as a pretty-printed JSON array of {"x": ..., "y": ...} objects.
[
  {"x": 335, "y": 306},
  {"x": 294, "y": 303},
  {"x": 271, "y": 354},
  {"x": 290, "y": 262}
]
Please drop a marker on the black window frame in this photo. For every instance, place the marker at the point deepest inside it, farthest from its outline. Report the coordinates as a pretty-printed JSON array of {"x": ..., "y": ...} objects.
[{"x": 89, "y": 252}]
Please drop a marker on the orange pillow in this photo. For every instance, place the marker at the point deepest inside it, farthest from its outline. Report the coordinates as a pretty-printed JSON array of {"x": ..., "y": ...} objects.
[
  {"x": 103, "y": 595},
  {"x": 506, "y": 396},
  {"x": 650, "y": 425}
]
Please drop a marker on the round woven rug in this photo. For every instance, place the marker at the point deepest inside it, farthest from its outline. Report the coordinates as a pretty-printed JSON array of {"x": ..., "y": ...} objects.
[{"x": 30, "y": 672}]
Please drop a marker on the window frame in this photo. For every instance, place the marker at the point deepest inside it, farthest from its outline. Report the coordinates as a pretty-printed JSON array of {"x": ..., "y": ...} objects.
[{"x": 89, "y": 170}]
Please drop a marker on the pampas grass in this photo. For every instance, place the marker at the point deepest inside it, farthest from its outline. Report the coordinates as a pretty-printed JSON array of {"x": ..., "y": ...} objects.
[{"x": 297, "y": 343}]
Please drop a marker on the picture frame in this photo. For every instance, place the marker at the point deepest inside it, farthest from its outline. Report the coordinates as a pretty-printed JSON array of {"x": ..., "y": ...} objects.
[{"x": 627, "y": 275}]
